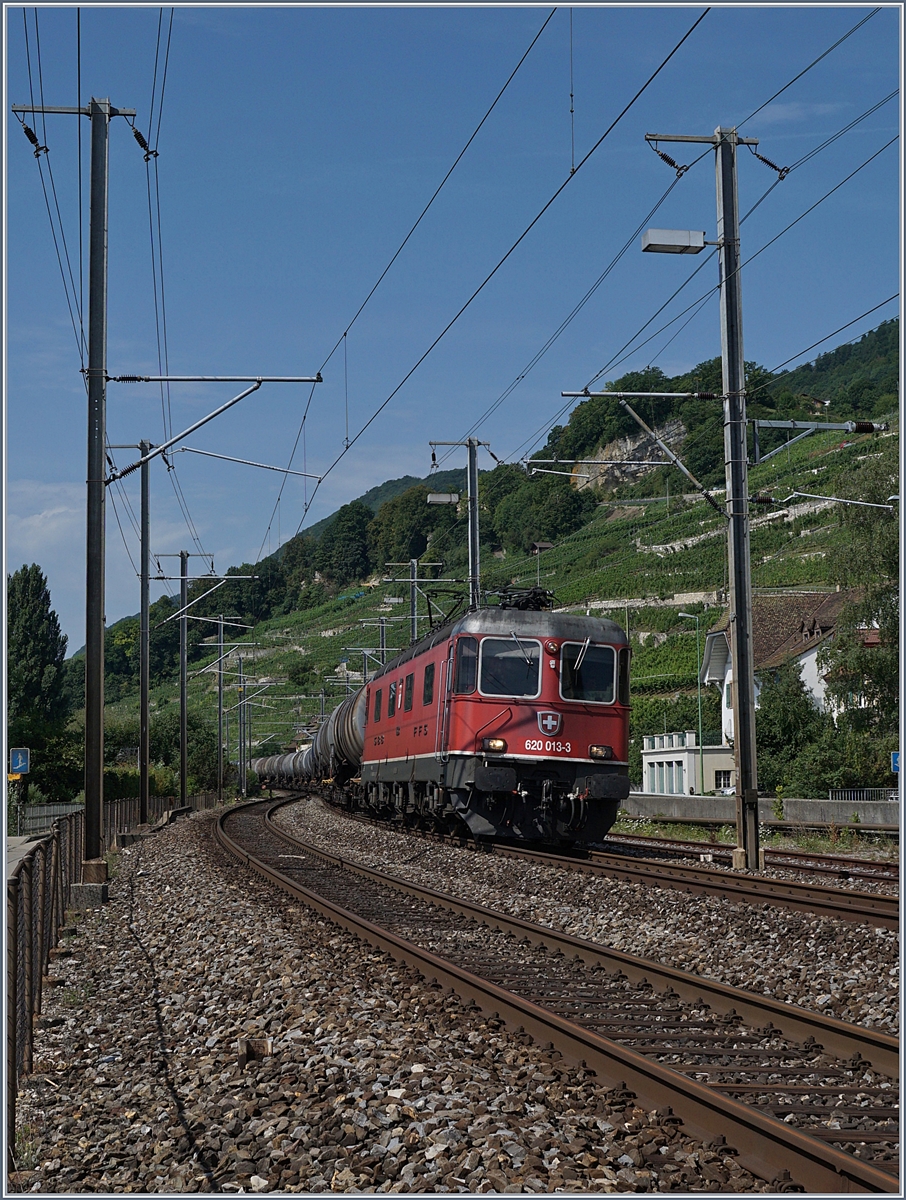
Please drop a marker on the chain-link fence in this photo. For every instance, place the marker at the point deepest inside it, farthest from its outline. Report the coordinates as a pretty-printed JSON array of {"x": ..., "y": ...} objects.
[{"x": 38, "y": 893}]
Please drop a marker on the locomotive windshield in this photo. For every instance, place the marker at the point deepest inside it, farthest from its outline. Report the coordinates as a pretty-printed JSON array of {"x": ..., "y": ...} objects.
[
  {"x": 586, "y": 672},
  {"x": 510, "y": 667}
]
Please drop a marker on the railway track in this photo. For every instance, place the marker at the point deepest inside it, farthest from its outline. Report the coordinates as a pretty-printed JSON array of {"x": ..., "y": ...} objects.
[
  {"x": 836, "y": 865},
  {"x": 848, "y": 904},
  {"x": 807, "y": 1101}
]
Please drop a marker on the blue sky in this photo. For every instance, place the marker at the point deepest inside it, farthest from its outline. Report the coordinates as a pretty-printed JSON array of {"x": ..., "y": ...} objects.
[{"x": 297, "y": 146}]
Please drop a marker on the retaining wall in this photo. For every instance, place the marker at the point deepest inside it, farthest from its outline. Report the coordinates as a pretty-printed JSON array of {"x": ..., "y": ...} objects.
[{"x": 809, "y": 812}]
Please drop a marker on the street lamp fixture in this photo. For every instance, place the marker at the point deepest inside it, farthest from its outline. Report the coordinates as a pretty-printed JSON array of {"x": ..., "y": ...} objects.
[{"x": 673, "y": 241}]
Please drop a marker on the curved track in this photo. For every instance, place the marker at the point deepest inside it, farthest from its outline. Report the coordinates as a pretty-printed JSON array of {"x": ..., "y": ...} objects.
[
  {"x": 838, "y": 866},
  {"x": 848, "y": 904},
  {"x": 807, "y": 1101}
]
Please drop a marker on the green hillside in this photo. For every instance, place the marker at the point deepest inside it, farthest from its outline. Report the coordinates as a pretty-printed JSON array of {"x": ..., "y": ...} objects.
[{"x": 651, "y": 546}]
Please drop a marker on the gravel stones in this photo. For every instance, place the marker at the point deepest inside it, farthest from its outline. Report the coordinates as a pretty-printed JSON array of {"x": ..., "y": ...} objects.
[
  {"x": 847, "y": 970},
  {"x": 377, "y": 1081}
]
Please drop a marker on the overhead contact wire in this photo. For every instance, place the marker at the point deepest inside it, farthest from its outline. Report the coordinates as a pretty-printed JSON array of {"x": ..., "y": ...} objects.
[
  {"x": 511, "y": 250},
  {"x": 399, "y": 250}
]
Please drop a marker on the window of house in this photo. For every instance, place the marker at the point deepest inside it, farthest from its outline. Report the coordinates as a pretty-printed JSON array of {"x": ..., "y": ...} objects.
[
  {"x": 652, "y": 778},
  {"x": 722, "y": 779},
  {"x": 428, "y": 687},
  {"x": 407, "y": 693},
  {"x": 378, "y": 696},
  {"x": 391, "y": 699}
]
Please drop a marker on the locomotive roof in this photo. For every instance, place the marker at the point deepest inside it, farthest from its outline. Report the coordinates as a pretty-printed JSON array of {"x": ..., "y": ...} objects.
[{"x": 489, "y": 621}]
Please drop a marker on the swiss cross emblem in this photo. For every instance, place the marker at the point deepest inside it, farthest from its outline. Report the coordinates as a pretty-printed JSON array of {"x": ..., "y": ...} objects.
[{"x": 549, "y": 722}]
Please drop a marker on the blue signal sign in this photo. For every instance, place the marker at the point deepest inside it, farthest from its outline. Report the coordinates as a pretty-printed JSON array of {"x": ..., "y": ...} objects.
[
  {"x": 18, "y": 761},
  {"x": 895, "y": 761}
]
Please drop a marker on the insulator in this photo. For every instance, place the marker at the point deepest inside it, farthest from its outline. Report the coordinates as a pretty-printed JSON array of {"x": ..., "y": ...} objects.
[
  {"x": 781, "y": 171},
  {"x": 864, "y": 427},
  {"x": 33, "y": 138},
  {"x": 706, "y": 396},
  {"x": 761, "y": 498},
  {"x": 129, "y": 379},
  {"x": 140, "y": 139}
]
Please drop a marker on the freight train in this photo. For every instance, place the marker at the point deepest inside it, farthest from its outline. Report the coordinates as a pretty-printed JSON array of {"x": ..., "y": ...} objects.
[{"x": 512, "y": 720}]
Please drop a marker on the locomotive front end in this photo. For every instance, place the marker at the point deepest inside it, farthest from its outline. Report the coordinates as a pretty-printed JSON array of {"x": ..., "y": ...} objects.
[{"x": 538, "y": 729}]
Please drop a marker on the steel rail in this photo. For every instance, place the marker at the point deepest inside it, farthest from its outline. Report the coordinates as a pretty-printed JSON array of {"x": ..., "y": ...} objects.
[
  {"x": 816, "y": 863},
  {"x": 761, "y": 1141},
  {"x": 848, "y": 904},
  {"x": 799, "y": 1024},
  {"x": 879, "y": 909}
]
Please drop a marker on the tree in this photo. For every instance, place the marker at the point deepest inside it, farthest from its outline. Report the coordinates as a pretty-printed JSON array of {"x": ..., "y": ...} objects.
[
  {"x": 343, "y": 551},
  {"x": 787, "y": 721},
  {"x": 38, "y": 704},
  {"x": 35, "y": 652},
  {"x": 862, "y": 661},
  {"x": 201, "y": 751}
]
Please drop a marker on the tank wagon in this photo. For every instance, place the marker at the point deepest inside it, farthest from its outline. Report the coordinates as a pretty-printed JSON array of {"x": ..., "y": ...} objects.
[{"x": 514, "y": 722}]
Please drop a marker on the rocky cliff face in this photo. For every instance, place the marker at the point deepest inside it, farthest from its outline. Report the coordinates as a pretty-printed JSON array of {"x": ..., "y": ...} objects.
[{"x": 638, "y": 448}]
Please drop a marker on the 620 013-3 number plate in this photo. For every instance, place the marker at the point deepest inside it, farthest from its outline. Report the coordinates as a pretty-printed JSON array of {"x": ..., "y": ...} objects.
[{"x": 548, "y": 747}]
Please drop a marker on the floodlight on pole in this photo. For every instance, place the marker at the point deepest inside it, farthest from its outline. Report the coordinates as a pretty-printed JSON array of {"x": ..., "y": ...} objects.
[{"x": 674, "y": 241}]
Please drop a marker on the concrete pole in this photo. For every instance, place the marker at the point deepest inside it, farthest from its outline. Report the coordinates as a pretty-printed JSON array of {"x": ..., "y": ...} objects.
[
  {"x": 220, "y": 711},
  {"x": 94, "y": 867},
  {"x": 474, "y": 567},
  {"x": 144, "y": 750},
  {"x": 383, "y": 642},
  {"x": 413, "y": 598},
  {"x": 241, "y": 753},
  {"x": 737, "y": 474},
  {"x": 183, "y": 679}
]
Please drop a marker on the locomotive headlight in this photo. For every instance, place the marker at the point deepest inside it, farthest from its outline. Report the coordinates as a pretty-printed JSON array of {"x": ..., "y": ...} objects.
[
  {"x": 600, "y": 751},
  {"x": 497, "y": 745}
]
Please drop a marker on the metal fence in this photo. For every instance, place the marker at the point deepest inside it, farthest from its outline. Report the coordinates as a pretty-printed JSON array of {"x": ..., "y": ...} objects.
[
  {"x": 38, "y": 893},
  {"x": 860, "y": 795}
]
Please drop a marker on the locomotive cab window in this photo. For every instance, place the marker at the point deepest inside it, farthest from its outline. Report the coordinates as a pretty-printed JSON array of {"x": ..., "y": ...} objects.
[
  {"x": 510, "y": 667},
  {"x": 378, "y": 696},
  {"x": 587, "y": 672},
  {"x": 391, "y": 699},
  {"x": 466, "y": 672},
  {"x": 623, "y": 681},
  {"x": 407, "y": 693},
  {"x": 428, "y": 688}
]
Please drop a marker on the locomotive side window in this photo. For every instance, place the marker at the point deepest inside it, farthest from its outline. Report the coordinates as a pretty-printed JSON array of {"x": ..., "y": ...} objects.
[
  {"x": 510, "y": 667},
  {"x": 623, "y": 680},
  {"x": 367, "y": 704},
  {"x": 466, "y": 675},
  {"x": 378, "y": 696},
  {"x": 391, "y": 699},
  {"x": 428, "y": 688},
  {"x": 407, "y": 693},
  {"x": 587, "y": 672}
]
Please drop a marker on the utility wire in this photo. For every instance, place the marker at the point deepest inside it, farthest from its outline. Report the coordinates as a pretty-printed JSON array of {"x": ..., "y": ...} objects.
[
  {"x": 376, "y": 285},
  {"x": 617, "y": 357},
  {"x": 826, "y": 338},
  {"x": 805, "y": 70},
  {"x": 620, "y": 356},
  {"x": 800, "y": 162},
  {"x": 507, "y": 255},
  {"x": 71, "y": 297}
]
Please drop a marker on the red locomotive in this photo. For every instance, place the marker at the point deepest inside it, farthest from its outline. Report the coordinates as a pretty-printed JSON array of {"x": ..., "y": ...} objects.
[{"x": 515, "y": 722}]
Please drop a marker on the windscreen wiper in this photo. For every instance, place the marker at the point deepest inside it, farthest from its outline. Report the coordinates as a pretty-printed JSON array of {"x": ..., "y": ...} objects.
[
  {"x": 521, "y": 647},
  {"x": 582, "y": 654}
]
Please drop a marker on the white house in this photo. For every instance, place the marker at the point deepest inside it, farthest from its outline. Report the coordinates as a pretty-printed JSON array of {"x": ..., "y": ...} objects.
[
  {"x": 674, "y": 764},
  {"x": 792, "y": 627}
]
